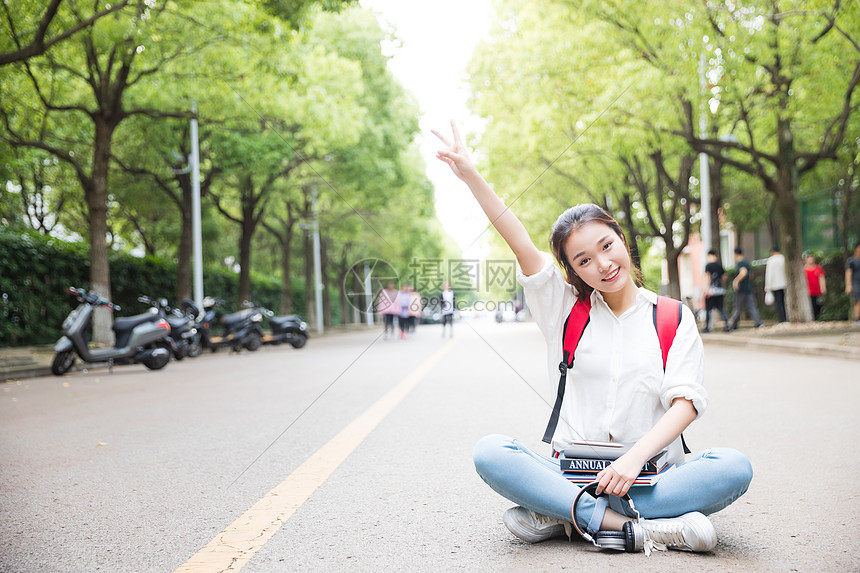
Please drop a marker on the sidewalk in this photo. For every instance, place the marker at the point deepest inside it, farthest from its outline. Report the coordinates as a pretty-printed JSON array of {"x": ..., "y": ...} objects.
[
  {"x": 834, "y": 339},
  {"x": 31, "y": 361}
]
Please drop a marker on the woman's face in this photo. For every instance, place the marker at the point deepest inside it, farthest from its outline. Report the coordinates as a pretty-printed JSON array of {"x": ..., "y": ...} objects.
[{"x": 598, "y": 256}]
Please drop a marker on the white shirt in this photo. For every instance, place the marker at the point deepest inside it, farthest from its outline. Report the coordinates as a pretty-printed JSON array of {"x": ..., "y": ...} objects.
[
  {"x": 617, "y": 389},
  {"x": 447, "y": 301},
  {"x": 774, "y": 273}
]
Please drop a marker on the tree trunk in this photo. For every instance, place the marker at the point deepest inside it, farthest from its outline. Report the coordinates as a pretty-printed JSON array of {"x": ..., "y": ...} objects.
[
  {"x": 96, "y": 194},
  {"x": 847, "y": 196},
  {"x": 797, "y": 304},
  {"x": 248, "y": 228},
  {"x": 245, "y": 262},
  {"x": 328, "y": 319},
  {"x": 287, "y": 270},
  {"x": 345, "y": 312},
  {"x": 716, "y": 172},
  {"x": 630, "y": 229},
  {"x": 672, "y": 255},
  {"x": 309, "y": 280}
]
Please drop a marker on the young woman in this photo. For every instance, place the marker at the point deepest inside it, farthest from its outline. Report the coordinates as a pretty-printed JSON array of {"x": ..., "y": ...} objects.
[{"x": 619, "y": 390}]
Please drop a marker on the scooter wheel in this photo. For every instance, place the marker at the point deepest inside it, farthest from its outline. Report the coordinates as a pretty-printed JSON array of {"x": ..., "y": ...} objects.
[
  {"x": 195, "y": 348},
  {"x": 62, "y": 362},
  {"x": 254, "y": 342},
  {"x": 299, "y": 341},
  {"x": 157, "y": 363}
]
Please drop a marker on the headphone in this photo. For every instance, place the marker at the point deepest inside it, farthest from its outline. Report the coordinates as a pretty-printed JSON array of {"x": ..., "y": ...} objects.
[{"x": 618, "y": 540}]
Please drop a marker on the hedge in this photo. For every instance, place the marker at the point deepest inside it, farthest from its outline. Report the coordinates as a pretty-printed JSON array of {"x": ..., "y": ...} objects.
[{"x": 35, "y": 271}]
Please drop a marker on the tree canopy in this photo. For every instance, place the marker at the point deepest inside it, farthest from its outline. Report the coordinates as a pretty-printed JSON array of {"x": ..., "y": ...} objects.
[
  {"x": 601, "y": 101},
  {"x": 293, "y": 98}
]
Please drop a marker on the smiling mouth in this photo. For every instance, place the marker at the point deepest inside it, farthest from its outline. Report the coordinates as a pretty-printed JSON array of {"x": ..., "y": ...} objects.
[{"x": 613, "y": 275}]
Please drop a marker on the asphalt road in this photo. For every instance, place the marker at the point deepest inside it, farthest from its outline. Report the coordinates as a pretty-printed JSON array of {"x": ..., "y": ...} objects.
[{"x": 138, "y": 471}]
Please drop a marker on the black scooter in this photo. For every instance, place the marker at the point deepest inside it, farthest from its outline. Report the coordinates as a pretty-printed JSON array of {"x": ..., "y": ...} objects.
[
  {"x": 139, "y": 339},
  {"x": 183, "y": 334},
  {"x": 241, "y": 329},
  {"x": 289, "y": 329}
]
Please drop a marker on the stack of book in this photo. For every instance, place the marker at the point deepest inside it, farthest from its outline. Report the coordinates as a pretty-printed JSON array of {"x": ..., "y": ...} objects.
[{"x": 582, "y": 461}]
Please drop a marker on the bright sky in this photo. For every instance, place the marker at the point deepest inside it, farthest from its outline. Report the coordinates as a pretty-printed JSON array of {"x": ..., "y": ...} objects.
[{"x": 437, "y": 39}]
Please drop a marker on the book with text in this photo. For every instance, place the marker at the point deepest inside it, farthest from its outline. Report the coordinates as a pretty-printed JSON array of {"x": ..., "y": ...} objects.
[
  {"x": 589, "y": 466},
  {"x": 642, "y": 480}
]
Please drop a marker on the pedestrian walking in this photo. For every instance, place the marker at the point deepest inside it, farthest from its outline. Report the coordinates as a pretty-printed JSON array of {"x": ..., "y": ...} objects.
[
  {"x": 415, "y": 307},
  {"x": 618, "y": 391},
  {"x": 387, "y": 306},
  {"x": 447, "y": 300},
  {"x": 744, "y": 295},
  {"x": 852, "y": 280},
  {"x": 403, "y": 300},
  {"x": 716, "y": 290},
  {"x": 775, "y": 281},
  {"x": 815, "y": 283}
]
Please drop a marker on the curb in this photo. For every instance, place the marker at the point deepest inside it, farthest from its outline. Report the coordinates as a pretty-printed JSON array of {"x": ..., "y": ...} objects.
[
  {"x": 33, "y": 368},
  {"x": 785, "y": 346},
  {"x": 16, "y": 374}
]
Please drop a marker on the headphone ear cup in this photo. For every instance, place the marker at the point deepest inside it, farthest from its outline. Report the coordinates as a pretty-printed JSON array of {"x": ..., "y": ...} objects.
[{"x": 610, "y": 539}]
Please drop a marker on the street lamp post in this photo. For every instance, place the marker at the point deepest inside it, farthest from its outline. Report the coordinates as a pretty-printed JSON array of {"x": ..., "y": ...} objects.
[
  {"x": 314, "y": 228},
  {"x": 196, "y": 226}
]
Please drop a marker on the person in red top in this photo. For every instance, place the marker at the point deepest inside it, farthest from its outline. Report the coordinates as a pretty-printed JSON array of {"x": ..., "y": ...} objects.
[{"x": 815, "y": 282}]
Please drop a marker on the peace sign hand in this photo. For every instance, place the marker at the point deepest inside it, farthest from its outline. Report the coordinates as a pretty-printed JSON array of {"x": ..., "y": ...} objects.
[{"x": 456, "y": 155}]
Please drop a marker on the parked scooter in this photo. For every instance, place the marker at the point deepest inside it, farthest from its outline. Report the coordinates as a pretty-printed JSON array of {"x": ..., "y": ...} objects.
[
  {"x": 183, "y": 334},
  {"x": 139, "y": 339},
  {"x": 286, "y": 329},
  {"x": 241, "y": 329}
]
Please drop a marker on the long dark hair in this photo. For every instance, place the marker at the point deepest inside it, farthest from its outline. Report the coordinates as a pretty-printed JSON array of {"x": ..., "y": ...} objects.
[{"x": 572, "y": 220}]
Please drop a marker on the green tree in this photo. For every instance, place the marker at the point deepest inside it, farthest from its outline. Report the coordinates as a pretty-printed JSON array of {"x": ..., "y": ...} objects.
[
  {"x": 70, "y": 101},
  {"x": 782, "y": 77},
  {"x": 25, "y": 32},
  {"x": 564, "y": 126}
]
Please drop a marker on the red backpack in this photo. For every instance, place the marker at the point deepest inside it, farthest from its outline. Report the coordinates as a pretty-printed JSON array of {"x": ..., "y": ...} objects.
[{"x": 667, "y": 317}]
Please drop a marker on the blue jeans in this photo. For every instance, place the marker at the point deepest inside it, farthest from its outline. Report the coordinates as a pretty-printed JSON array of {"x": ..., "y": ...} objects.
[{"x": 708, "y": 482}]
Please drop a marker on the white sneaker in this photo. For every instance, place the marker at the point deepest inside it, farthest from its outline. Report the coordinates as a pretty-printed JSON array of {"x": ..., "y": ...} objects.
[
  {"x": 689, "y": 532},
  {"x": 534, "y": 527}
]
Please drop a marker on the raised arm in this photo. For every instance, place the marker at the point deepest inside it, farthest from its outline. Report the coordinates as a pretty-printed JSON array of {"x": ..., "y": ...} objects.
[{"x": 502, "y": 218}]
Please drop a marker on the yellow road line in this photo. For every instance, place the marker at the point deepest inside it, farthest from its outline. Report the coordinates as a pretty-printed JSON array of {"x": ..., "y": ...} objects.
[{"x": 234, "y": 547}]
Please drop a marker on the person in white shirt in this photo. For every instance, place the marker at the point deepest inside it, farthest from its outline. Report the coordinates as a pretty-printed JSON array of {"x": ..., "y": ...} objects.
[
  {"x": 447, "y": 301},
  {"x": 775, "y": 281},
  {"x": 617, "y": 391}
]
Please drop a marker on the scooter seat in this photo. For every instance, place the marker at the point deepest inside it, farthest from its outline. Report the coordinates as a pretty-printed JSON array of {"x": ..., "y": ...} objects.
[
  {"x": 285, "y": 320},
  {"x": 237, "y": 317},
  {"x": 177, "y": 323},
  {"x": 125, "y": 323}
]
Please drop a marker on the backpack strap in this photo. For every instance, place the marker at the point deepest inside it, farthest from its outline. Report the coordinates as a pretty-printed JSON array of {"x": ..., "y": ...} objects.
[
  {"x": 573, "y": 328},
  {"x": 667, "y": 319}
]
